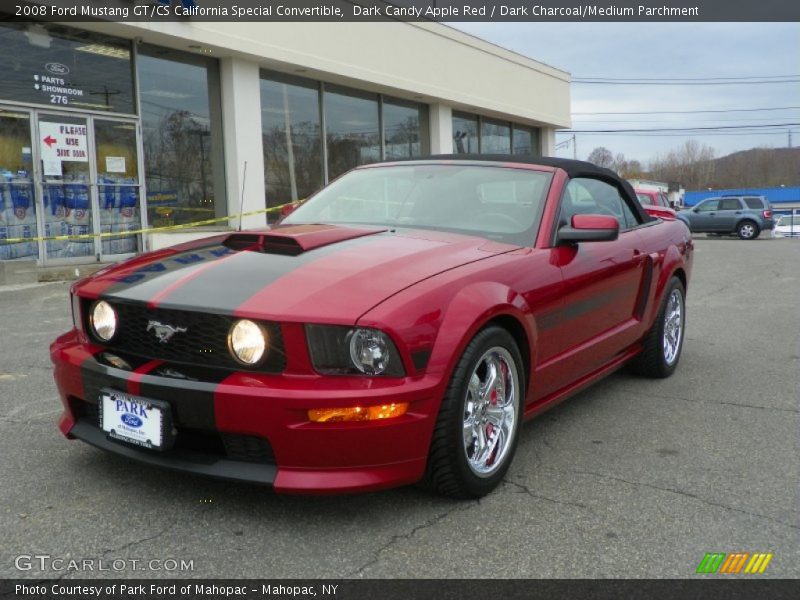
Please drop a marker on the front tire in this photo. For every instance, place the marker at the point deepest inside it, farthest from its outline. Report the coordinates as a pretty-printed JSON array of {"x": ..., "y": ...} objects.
[
  {"x": 477, "y": 429},
  {"x": 748, "y": 230},
  {"x": 664, "y": 341}
]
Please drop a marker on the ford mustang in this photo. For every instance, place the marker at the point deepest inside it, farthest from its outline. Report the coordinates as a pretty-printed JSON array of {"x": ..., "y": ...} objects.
[{"x": 396, "y": 328}]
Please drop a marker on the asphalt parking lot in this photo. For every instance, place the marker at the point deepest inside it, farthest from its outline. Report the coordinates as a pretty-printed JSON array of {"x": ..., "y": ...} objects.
[{"x": 632, "y": 478}]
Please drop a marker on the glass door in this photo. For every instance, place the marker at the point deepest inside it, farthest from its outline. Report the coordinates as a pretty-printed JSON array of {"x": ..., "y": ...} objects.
[
  {"x": 89, "y": 176},
  {"x": 66, "y": 177},
  {"x": 118, "y": 186},
  {"x": 17, "y": 192}
]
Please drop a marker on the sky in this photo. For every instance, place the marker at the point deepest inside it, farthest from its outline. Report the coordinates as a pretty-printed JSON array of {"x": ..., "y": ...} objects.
[{"x": 699, "y": 51}]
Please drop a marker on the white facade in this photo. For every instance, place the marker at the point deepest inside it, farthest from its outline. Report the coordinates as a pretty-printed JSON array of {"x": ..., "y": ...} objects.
[
  {"x": 425, "y": 62},
  {"x": 468, "y": 94}
]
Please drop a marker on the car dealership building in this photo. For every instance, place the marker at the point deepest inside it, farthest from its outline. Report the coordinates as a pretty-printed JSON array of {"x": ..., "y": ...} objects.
[{"x": 111, "y": 127}]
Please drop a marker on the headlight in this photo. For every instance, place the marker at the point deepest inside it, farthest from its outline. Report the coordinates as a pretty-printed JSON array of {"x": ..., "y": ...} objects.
[
  {"x": 103, "y": 319},
  {"x": 352, "y": 351},
  {"x": 247, "y": 342}
]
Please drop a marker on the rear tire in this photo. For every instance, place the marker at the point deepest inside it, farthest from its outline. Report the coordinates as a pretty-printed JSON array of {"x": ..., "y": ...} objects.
[
  {"x": 664, "y": 341},
  {"x": 748, "y": 230},
  {"x": 477, "y": 429}
]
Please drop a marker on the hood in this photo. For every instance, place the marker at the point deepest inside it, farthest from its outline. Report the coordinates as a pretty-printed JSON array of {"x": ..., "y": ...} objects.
[{"x": 306, "y": 273}]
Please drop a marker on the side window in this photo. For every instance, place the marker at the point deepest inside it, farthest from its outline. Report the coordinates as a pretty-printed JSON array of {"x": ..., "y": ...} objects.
[
  {"x": 594, "y": 197},
  {"x": 708, "y": 206},
  {"x": 730, "y": 204},
  {"x": 754, "y": 202}
]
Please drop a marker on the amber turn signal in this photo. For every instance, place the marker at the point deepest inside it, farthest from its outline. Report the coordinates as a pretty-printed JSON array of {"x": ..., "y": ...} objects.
[{"x": 357, "y": 413}]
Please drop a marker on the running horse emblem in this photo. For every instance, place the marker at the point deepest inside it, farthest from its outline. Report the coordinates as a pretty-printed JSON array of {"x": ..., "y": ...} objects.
[{"x": 164, "y": 332}]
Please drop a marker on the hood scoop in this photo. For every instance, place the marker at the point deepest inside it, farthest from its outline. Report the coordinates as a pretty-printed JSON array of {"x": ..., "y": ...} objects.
[{"x": 291, "y": 240}]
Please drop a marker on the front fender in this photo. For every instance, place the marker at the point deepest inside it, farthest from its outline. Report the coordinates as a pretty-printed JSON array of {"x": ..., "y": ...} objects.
[
  {"x": 439, "y": 322},
  {"x": 677, "y": 256},
  {"x": 468, "y": 312}
]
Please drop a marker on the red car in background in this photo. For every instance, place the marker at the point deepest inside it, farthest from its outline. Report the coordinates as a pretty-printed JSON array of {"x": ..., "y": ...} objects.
[
  {"x": 652, "y": 197},
  {"x": 396, "y": 328}
]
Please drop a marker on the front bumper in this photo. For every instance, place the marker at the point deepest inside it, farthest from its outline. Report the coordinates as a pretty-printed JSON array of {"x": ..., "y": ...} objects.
[{"x": 253, "y": 427}]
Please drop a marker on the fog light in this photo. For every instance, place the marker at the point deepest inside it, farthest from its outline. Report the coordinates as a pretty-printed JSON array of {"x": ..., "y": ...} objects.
[
  {"x": 369, "y": 351},
  {"x": 357, "y": 413}
]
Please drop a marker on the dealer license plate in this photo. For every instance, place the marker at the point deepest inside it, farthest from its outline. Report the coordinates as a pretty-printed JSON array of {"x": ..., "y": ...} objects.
[{"x": 133, "y": 419}]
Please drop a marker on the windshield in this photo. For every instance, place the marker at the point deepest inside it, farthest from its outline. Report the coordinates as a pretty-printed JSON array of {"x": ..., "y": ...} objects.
[{"x": 498, "y": 203}]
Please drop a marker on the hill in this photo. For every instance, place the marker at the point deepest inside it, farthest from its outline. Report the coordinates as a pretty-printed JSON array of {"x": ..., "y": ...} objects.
[{"x": 757, "y": 167}]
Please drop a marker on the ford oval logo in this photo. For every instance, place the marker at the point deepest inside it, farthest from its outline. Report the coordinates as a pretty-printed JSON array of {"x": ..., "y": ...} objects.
[
  {"x": 131, "y": 420},
  {"x": 57, "y": 68}
]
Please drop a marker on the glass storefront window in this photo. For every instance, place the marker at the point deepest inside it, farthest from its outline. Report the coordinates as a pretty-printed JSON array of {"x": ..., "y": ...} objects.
[
  {"x": 17, "y": 205},
  {"x": 352, "y": 129},
  {"x": 465, "y": 133},
  {"x": 182, "y": 136},
  {"x": 473, "y": 134},
  {"x": 117, "y": 184},
  {"x": 526, "y": 140},
  {"x": 62, "y": 67},
  {"x": 495, "y": 137},
  {"x": 295, "y": 164},
  {"x": 405, "y": 127},
  {"x": 292, "y": 138}
]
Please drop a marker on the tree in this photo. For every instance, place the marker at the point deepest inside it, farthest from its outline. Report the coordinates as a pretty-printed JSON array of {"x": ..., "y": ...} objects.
[
  {"x": 691, "y": 165},
  {"x": 602, "y": 157}
]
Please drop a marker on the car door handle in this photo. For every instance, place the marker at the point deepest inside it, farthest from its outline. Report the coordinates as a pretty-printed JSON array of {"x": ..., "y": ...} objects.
[{"x": 738, "y": 212}]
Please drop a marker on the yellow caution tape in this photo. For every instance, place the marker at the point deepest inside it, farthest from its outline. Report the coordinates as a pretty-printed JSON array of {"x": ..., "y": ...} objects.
[{"x": 86, "y": 236}]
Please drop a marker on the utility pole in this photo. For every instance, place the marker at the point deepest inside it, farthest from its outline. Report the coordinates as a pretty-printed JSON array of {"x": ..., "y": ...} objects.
[{"x": 789, "y": 133}]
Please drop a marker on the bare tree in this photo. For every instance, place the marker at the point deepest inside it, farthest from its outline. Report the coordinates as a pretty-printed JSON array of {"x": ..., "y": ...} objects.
[
  {"x": 692, "y": 165},
  {"x": 602, "y": 157}
]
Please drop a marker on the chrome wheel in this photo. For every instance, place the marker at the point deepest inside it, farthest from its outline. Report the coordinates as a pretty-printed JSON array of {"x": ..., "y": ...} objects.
[
  {"x": 673, "y": 327},
  {"x": 491, "y": 410}
]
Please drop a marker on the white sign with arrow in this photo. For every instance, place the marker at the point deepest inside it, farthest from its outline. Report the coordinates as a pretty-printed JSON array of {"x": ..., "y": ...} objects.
[{"x": 63, "y": 142}]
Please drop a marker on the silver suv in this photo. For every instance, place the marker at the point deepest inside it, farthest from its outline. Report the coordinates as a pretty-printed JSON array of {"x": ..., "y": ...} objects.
[{"x": 746, "y": 216}]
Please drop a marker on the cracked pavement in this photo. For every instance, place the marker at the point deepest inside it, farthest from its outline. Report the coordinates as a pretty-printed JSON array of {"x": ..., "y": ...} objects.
[{"x": 631, "y": 478}]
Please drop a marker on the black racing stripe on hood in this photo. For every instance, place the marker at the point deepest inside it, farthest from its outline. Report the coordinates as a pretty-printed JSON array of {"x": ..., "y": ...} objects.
[
  {"x": 227, "y": 286},
  {"x": 134, "y": 284}
]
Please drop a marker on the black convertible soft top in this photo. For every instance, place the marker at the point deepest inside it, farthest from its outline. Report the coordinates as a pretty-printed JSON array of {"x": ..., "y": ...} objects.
[{"x": 573, "y": 168}]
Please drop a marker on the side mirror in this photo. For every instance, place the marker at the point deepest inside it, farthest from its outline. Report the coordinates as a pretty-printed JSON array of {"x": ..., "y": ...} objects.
[
  {"x": 695, "y": 210},
  {"x": 590, "y": 228}
]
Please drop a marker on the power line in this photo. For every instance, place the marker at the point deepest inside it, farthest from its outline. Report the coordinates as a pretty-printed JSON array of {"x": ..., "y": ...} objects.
[
  {"x": 782, "y": 132},
  {"x": 772, "y": 126},
  {"x": 686, "y": 78},
  {"x": 606, "y": 122},
  {"x": 687, "y": 112},
  {"x": 762, "y": 82}
]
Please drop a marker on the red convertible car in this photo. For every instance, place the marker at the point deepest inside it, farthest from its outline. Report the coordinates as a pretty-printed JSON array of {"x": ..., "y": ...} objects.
[{"x": 398, "y": 327}]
